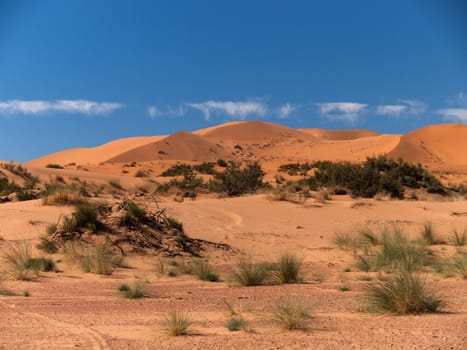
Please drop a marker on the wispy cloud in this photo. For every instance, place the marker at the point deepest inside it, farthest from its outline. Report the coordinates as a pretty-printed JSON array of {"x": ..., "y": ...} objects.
[
  {"x": 413, "y": 106},
  {"x": 348, "y": 111},
  {"x": 285, "y": 110},
  {"x": 239, "y": 109},
  {"x": 455, "y": 114},
  {"x": 391, "y": 110},
  {"x": 68, "y": 106},
  {"x": 153, "y": 112}
]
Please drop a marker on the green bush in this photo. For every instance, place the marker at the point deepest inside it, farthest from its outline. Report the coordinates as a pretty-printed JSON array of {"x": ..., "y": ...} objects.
[
  {"x": 235, "y": 181},
  {"x": 246, "y": 272},
  {"x": 376, "y": 174},
  {"x": 54, "y": 166},
  {"x": 291, "y": 314},
  {"x": 178, "y": 170},
  {"x": 288, "y": 269},
  {"x": 403, "y": 293}
]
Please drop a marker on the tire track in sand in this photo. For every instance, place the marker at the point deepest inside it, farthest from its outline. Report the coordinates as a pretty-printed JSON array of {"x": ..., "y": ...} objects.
[{"x": 96, "y": 339}]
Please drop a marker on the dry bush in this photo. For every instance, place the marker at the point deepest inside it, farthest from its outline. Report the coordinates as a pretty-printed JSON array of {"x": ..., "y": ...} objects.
[
  {"x": 288, "y": 268},
  {"x": 291, "y": 314},
  {"x": 177, "y": 324},
  {"x": 246, "y": 272},
  {"x": 136, "y": 291}
]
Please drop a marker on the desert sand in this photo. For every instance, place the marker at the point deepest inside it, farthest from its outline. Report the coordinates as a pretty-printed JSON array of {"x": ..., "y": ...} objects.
[{"x": 73, "y": 309}]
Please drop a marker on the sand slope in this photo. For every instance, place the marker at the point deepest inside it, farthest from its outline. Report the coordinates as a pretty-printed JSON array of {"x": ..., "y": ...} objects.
[
  {"x": 255, "y": 131},
  {"x": 94, "y": 155},
  {"x": 436, "y": 146},
  {"x": 182, "y": 145},
  {"x": 338, "y": 134}
]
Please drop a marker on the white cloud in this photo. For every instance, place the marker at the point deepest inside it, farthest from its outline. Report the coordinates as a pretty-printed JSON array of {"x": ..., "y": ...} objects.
[
  {"x": 153, "y": 111},
  {"x": 392, "y": 110},
  {"x": 69, "y": 106},
  {"x": 349, "y": 111},
  {"x": 285, "y": 110},
  {"x": 237, "y": 109},
  {"x": 455, "y": 114},
  {"x": 413, "y": 106}
]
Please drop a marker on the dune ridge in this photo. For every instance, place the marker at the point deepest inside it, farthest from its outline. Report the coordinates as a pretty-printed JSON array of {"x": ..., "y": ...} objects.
[{"x": 435, "y": 146}]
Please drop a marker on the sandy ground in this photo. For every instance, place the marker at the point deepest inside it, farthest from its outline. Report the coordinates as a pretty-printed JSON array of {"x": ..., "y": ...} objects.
[{"x": 72, "y": 309}]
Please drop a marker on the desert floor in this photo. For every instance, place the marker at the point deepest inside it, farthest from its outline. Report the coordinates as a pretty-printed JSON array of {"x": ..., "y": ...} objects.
[{"x": 71, "y": 309}]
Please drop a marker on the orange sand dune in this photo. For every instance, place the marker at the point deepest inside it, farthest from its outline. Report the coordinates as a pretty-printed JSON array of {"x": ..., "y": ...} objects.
[
  {"x": 338, "y": 134},
  {"x": 437, "y": 146},
  {"x": 94, "y": 155},
  {"x": 182, "y": 145},
  {"x": 255, "y": 131}
]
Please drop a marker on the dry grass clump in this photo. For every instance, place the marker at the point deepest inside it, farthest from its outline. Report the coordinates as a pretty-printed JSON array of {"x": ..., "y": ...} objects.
[
  {"x": 429, "y": 236},
  {"x": 46, "y": 245},
  {"x": 291, "y": 313},
  {"x": 403, "y": 293},
  {"x": 201, "y": 268},
  {"x": 395, "y": 251},
  {"x": 177, "y": 324},
  {"x": 458, "y": 238},
  {"x": 288, "y": 193},
  {"x": 21, "y": 265},
  {"x": 247, "y": 272},
  {"x": 287, "y": 270},
  {"x": 95, "y": 258},
  {"x": 136, "y": 291},
  {"x": 236, "y": 322},
  {"x": 454, "y": 265},
  {"x": 64, "y": 197}
]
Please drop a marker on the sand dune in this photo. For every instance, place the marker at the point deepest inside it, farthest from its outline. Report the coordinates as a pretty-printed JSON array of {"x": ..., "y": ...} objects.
[
  {"x": 182, "y": 145},
  {"x": 436, "y": 146},
  {"x": 338, "y": 134},
  {"x": 255, "y": 131},
  {"x": 268, "y": 142},
  {"x": 94, "y": 155}
]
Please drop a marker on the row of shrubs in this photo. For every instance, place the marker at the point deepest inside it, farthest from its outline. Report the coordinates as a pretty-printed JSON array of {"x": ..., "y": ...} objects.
[
  {"x": 235, "y": 180},
  {"x": 374, "y": 175}
]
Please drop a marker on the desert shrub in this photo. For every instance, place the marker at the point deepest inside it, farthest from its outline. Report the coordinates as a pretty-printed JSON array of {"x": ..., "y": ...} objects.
[
  {"x": 17, "y": 261},
  {"x": 395, "y": 252},
  {"x": 96, "y": 258},
  {"x": 174, "y": 223},
  {"x": 429, "y": 236},
  {"x": 41, "y": 264},
  {"x": 235, "y": 181},
  {"x": 54, "y": 166},
  {"x": 21, "y": 264},
  {"x": 202, "y": 270},
  {"x": 344, "y": 241},
  {"x": 236, "y": 321},
  {"x": 222, "y": 163},
  {"x": 291, "y": 314},
  {"x": 18, "y": 170},
  {"x": 135, "y": 291},
  {"x": 47, "y": 245},
  {"x": 84, "y": 217},
  {"x": 141, "y": 173},
  {"x": 116, "y": 184},
  {"x": 288, "y": 268},
  {"x": 246, "y": 272},
  {"x": 134, "y": 215},
  {"x": 178, "y": 170},
  {"x": 402, "y": 293},
  {"x": 205, "y": 168},
  {"x": 295, "y": 168},
  {"x": 7, "y": 187},
  {"x": 189, "y": 182},
  {"x": 289, "y": 192},
  {"x": 458, "y": 238},
  {"x": 455, "y": 265},
  {"x": 375, "y": 175},
  {"x": 177, "y": 324}
]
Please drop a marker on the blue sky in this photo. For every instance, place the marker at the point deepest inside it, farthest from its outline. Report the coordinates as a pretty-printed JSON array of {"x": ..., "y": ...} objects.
[{"x": 79, "y": 73}]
